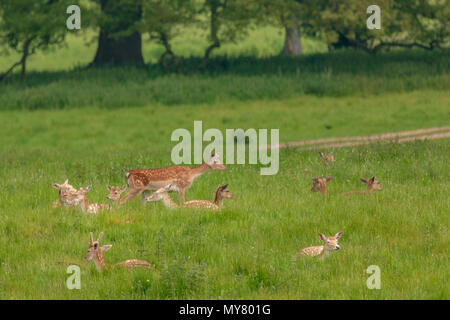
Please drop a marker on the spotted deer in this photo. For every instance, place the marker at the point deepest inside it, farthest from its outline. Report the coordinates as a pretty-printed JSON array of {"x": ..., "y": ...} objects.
[
  {"x": 329, "y": 245},
  {"x": 162, "y": 194},
  {"x": 115, "y": 193},
  {"x": 81, "y": 198},
  {"x": 320, "y": 184},
  {"x": 372, "y": 185},
  {"x": 222, "y": 192},
  {"x": 180, "y": 178},
  {"x": 327, "y": 158},
  {"x": 65, "y": 189},
  {"x": 95, "y": 253}
]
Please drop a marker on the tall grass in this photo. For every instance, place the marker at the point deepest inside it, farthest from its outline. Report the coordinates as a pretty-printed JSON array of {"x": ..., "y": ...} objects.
[{"x": 232, "y": 79}]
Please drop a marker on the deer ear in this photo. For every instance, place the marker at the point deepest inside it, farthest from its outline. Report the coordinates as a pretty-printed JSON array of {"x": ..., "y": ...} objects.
[
  {"x": 106, "y": 247},
  {"x": 372, "y": 179},
  {"x": 338, "y": 235},
  {"x": 363, "y": 180},
  {"x": 123, "y": 188},
  {"x": 225, "y": 186},
  {"x": 329, "y": 178},
  {"x": 322, "y": 237},
  {"x": 66, "y": 182},
  {"x": 57, "y": 186},
  {"x": 321, "y": 155},
  {"x": 108, "y": 187}
]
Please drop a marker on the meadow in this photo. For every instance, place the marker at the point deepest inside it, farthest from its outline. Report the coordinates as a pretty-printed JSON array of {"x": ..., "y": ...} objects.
[{"x": 92, "y": 125}]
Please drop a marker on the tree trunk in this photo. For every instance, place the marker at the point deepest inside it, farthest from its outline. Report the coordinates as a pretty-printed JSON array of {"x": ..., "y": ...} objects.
[
  {"x": 214, "y": 30},
  {"x": 292, "y": 42},
  {"x": 126, "y": 49},
  {"x": 23, "y": 61}
]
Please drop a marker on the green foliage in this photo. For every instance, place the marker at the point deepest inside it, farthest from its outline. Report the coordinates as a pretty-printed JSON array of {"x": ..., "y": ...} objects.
[
  {"x": 28, "y": 26},
  {"x": 428, "y": 22},
  {"x": 404, "y": 23}
]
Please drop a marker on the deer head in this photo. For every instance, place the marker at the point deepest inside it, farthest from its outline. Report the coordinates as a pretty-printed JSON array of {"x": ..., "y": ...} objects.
[
  {"x": 78, "y": 196},
  {"x": 372, "y": 184},
  {"x": 64, "y": 186},
  {"x": 330, "y": 243},
  {"x": 159, "y": 194},
  {"x": 214, "y": 162},
  {"x": 224, "y": 192},
  {"x": 320, "y": 184},
  {"x": 115, "y": 193},
  {"x": 95, "y": 252}
]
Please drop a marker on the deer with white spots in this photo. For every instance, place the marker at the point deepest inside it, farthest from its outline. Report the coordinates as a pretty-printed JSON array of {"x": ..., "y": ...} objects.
[
  {"x": 372, "y": 185},
  {"x": 65, "y": 190},
  {"x": 178, "y": 177},
  {"x": 162, "y": 194},
  {"x": 95, "y": 253},
  {"x": 330, "y": 244},
  {"x": 81, "y": 198}
]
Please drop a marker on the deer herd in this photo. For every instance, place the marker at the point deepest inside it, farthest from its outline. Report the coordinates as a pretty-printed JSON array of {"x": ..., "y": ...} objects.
[{"x": 178, "y": 179}]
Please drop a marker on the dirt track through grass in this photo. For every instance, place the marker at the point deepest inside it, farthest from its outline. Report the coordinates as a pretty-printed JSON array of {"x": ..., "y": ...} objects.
[{"x": 396, "y": 137}]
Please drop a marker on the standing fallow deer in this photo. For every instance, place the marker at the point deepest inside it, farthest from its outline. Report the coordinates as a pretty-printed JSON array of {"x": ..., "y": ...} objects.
[
  {"x": 81, "y": 198},
  {"x": 162, "y": 194},
  {"x": 327, "y": 158},
  {"x": 329, "y": 245},
  {"x": 180, "y": 178},
  {"x": 95, "y": 253},
  {"x": 372, "y": 185},
  {"x": 65, "y": 189},
  {"x": 115, "y": 193},
  {"x": 320, "y": 184}
]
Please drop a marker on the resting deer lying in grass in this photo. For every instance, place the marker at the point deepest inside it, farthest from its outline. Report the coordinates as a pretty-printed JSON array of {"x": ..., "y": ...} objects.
[
  {"x": 320, "y": 184},
  {"x": 180, "y": 178},
  {"x": 372, "y": 184},
  {"x": 222, "y": 192},
  {"x": 115, "y": 193},
  {"x": 95, "y": 253},
  {"x": 327, "y": 158},
  {"x": 81, "y": 198},
  {"x": 65, "y": 190},
  {"x": 329, "y": 245}
]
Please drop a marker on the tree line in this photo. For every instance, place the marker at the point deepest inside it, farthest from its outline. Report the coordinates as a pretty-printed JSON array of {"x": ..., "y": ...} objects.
[{"x": 28, "y": 26}]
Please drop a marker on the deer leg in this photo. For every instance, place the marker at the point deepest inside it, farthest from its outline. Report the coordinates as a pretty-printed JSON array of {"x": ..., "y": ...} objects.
[
  {"x": 130, "y": 195},
  {"x": 181, "y": 195},
  {"x": 144, "y": 195}
]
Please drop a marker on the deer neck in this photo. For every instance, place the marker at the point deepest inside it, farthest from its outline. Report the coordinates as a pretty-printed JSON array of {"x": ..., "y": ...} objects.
[
  {"x": 324, "y": 252},
  {"x": 369, "y": 189},
  {"x": 84, "y": 204},
  {"x": 198, "y": 171},
  {"x": 218, "y": 199},
  {"x": 99, "y": 261},
  {"x": 168, "y": 202}
]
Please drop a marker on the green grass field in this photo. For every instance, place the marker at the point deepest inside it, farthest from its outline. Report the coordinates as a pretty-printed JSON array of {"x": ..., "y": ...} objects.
[{"x": 93, "y": 125}]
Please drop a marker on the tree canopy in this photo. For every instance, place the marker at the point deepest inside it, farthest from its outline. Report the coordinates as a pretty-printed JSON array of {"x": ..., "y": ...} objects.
[{"x": 28, "y": 26}]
